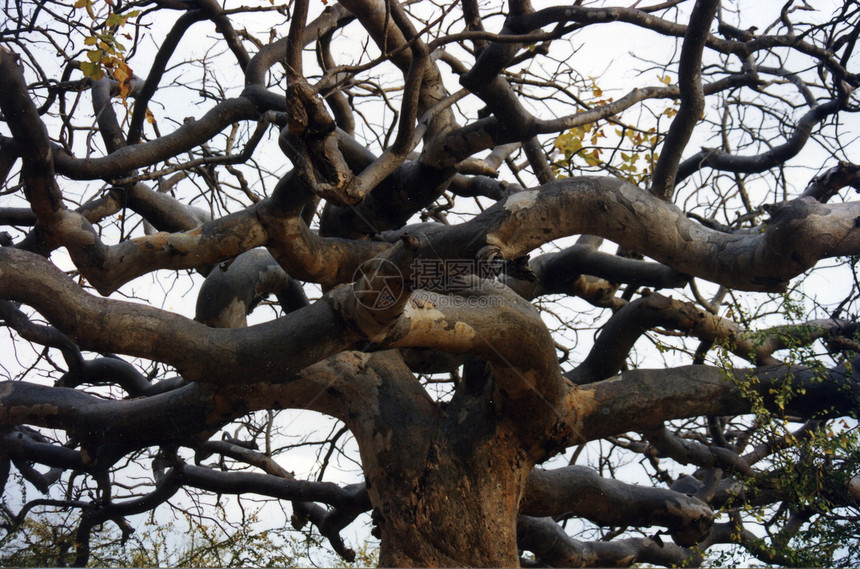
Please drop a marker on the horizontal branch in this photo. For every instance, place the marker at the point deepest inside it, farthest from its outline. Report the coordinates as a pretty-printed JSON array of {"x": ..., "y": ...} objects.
[
  {"x": 272, "y": 350},
  {"x": 582, "y": 492},
  {"x": 747, "y": 45},
  {"x": 799, "y": 233},
  {"x": 552, "y": 546},
  {"x": 626, "y": 326},
  {"x": 640, "y": 400},
  {"x": 267, "y": 485},
  {"x": 183, "y": 139},
  {"x": 337, "y": 386}
]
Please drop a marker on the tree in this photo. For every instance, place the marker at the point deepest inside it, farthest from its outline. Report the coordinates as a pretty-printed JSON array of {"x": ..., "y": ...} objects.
[{"x": 481, "y": 226}]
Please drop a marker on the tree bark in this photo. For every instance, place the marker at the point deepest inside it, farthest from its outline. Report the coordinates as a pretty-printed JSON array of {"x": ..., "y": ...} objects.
[{"x": 445, "y": 485}]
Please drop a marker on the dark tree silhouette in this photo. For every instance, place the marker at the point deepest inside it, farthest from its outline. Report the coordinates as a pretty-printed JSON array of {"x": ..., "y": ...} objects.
[{"x": 453, "y": 237}]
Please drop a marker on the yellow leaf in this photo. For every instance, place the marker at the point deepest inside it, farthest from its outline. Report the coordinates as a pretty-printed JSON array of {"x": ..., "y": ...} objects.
[
  {"x": 591, "y": 159},
  {"x": 120, "y": 73},
  {"x": 90, "y": 41}
]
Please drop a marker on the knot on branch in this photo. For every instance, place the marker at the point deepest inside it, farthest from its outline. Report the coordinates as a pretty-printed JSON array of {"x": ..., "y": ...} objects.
[
  {"x": 380, "y": 291},
  {"x": 696, "y": 523},
  {"x": 306, "y": 113},
  {"x": 825, "y": 185},
  {"x": 518, "y": 268},
  {"x": 310, "y": 142}
]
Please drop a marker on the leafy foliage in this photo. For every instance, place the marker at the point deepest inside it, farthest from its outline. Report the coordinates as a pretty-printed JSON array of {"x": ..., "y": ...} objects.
[
  {"x": 808, "y": 465},
  {"x": 107, "y": 53},
  {"x": 628, "y": 151}
]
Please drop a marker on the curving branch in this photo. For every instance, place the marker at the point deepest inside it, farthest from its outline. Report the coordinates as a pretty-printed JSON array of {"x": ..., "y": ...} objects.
[
  {"x": 156, "y": 71},
  {"x": 296, "y": 340},
  {"x": 694, "y": 452},
  {"x": 329, "y": 521},
  {"x": 568, "y": 272},
  {"x": 626, "y": 326},
  {"x": 26, "y": 446},
  {"x": 799, "y": 233},
  {"x": 30, "y": 133},
  {"x": 336, "y": 386},
  {"x": 826, "y": 185},
  {"x": 268, "y": 485},
  {"x": 231, "y": 292},
  {"x": 184, "y": 138},
  {"x": 692, "y": 99},
  {"x": 48, "y": 336},
  {"x": 725, "y": 162},
  {"x": 165, "y": 488},
  {"x": 115, "y": 371},
  {"x": 332, "y": 17},
  {"x": 223, "y": 25}
]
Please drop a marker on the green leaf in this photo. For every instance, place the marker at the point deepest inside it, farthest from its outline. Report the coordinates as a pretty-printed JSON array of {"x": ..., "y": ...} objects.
[{"x": 92, "y": 70}]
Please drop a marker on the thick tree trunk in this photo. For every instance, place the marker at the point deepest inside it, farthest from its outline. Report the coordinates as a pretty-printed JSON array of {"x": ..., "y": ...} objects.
[
  {"x": 445, "y": 482},
  {"x": 456, "y": 511}
]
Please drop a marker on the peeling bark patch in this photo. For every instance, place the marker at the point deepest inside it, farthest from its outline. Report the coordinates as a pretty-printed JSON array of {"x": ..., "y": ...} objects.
[
  {"x": 428, "y": 324},
  {"x": 521, "y": 201},
  {"x": 580, "y": 404},
  {"x": 422, "y": 310},
  {"x": 32, "y": 414},
  {"x": 152, "y": 242},
  {"x": 464, "y": 330}
]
